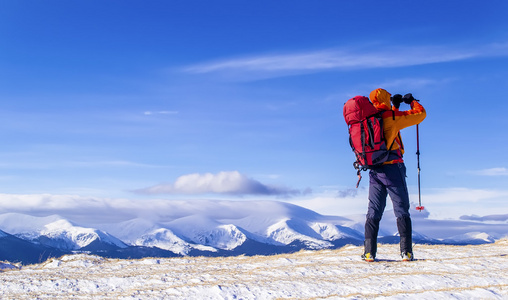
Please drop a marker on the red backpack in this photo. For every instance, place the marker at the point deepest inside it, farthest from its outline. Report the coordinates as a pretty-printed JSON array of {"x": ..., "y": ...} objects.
[{"x": 365, "y": 134}]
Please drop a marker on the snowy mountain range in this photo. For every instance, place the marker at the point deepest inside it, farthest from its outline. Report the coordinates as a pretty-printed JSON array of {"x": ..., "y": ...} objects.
[{"x": 220, "y": 228}]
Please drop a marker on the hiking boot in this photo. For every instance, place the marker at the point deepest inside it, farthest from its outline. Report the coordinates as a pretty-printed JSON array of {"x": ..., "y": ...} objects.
[
  {"x": 407, "y": 256},
  {"x": 368, "y": 257}
]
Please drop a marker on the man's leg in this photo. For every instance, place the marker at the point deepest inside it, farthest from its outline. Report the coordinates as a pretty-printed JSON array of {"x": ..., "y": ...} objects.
[
  {"x": 377, "y": 204},
  {"x": 397, "y": 189},
  {"x": 371, "y": 232},
  {"x": 405, "y": 231}
]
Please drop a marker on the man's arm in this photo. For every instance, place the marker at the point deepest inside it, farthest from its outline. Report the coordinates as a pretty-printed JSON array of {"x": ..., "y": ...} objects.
[{"x": 410, "y": 117}]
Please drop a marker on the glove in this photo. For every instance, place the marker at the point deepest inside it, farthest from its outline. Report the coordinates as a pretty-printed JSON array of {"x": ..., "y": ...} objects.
[
  {"x": 396, "y": 100},
  {"x": 408, "y": 98}
]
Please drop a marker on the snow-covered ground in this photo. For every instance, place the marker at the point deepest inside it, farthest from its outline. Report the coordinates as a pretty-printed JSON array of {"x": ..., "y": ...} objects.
[{"x": 440, "y": 272}]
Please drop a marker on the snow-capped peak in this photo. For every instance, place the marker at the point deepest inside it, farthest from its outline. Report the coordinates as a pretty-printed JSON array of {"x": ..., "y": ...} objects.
[
  {"x": 15, "y": 223},
  {"x": 331, "y": 232},
  {"x": 474, "y": 236},
  {"x": 164, "y": 238},
  {"x": 287, "y": 231},
  {"x": 205, "y": 231},
  {"x": 235, "y": 226},
  {"x": 55, "y": 231}
]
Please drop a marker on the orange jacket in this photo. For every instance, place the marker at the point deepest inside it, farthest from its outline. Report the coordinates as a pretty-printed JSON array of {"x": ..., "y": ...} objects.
[{"x": 395, "y": 120}]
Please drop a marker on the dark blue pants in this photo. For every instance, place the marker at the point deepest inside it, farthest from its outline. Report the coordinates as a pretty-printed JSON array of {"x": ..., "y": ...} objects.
[{"x": 388, "y": 180}]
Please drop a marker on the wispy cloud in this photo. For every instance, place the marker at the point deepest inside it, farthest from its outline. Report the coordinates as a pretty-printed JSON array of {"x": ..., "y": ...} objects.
[
  {"x": 90, "y": 210},
  {"x": 110, "y": 163},
  {"x": 464, "y": 195},
  {"x": 491, "y": 172},
  {"x": 347, "y": 193},
  {"x": 413, "y": 83},
  {"x": 232, "y": 183},
  {"x": 345, "y": 59},
  {"x": 490, "y": 218},
  {"x": 160, "y": 112},
  {"x": 443, "y": 203},
  {"x": 51, "y": 164}
]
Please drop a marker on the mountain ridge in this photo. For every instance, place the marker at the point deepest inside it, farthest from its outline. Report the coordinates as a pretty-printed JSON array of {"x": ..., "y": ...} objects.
[{"x": 221, "y": 228}]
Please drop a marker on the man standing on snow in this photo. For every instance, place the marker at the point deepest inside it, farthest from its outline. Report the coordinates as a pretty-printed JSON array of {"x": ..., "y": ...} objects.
[{"x": 390, "y": 178}]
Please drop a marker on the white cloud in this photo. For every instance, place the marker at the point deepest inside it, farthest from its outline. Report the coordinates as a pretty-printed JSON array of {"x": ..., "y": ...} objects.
[
  {"x": 412, "y": 83},
  {"x": 161, "y": 112},
  {"x": 379, "y": 57},
  {"x": 233, "y": 183},
  {"x": 96, "y": 210},
  {"x": 455, "y": 202},
  {"x": 463, "y": 195},
  {"x": 69, "y": 205},
  {"x": 443, "y": 203},
  {"x": 109, "y": 163},
  {"x": 491, "y": 172},
  {"x": 368, "y": 57},
  {"x": 48, "y": 164},
  {"x": 333, "y": 206}
]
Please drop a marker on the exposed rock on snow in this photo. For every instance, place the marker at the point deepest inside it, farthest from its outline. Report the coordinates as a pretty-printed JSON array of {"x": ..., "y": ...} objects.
[{"x": 8, "y": 266}]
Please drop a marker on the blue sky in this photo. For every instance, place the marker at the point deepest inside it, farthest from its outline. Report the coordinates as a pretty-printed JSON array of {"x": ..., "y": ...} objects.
[{"x": 171, "y": 100}]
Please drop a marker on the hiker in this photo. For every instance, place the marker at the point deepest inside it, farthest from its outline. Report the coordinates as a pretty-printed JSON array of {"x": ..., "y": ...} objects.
[{"x": 390, "y": 177}]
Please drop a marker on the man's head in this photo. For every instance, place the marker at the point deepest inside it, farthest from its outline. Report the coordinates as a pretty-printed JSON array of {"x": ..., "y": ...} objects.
[{"x": 381, "y": 99}]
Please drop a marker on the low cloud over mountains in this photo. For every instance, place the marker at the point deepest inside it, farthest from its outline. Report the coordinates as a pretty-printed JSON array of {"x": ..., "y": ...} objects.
[{"x": 231, "y": 183}]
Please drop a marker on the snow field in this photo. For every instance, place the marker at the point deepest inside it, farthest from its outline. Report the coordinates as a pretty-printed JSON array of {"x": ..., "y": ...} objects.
[{"x": 440, "y": 272}]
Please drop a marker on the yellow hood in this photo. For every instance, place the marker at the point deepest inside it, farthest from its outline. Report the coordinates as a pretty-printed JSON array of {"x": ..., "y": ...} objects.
[{"x": 381, "y": 99}]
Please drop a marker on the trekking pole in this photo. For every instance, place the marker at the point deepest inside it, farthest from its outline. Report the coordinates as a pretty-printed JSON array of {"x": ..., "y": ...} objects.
[{"x": 419, "y": 207}]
